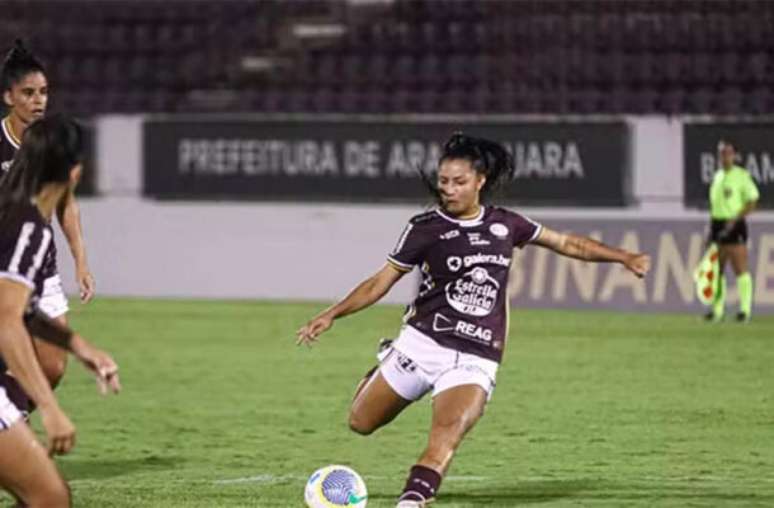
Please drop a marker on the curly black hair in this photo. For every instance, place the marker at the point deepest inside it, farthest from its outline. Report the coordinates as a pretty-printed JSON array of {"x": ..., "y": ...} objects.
[{"x": 487, "y": 157}]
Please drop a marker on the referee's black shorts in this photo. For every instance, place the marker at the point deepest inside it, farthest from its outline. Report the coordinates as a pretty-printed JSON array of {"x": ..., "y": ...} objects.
[{"x": 737, "y": 235}]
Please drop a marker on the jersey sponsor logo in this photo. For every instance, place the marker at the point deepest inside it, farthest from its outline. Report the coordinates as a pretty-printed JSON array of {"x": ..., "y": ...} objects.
[
  {"x": 486, "y": 259},
  {"x": 455, "y": 263},
  {"x": 475, "y": 239},
  {"x": 473, "y": 331},
  {"x": 441, "y": 323},
  {"x": 499, "y": 230},
  {"x": 475, "y": 293},
  {"x": 461, "y": 328},
  {"x": 454, "y": 233}
]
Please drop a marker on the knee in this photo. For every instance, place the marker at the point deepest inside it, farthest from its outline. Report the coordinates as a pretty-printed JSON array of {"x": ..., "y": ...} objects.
[
  {"x": 55, "y": 494},
  {"x": 54, "y": 368},
  {"x": 360, "y": 425}
]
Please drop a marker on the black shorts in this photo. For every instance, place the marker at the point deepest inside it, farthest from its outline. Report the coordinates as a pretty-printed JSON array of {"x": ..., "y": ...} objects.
[{"x": 737, "y": 235}]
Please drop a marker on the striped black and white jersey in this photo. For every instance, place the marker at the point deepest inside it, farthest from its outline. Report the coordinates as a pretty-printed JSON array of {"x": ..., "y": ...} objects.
[{"x": 25, "y": 239}]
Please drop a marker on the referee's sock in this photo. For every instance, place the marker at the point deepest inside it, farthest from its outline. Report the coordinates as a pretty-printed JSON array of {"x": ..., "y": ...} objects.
[
  {"x": 719, "y": 305},
  {"x": 744, "y": 285}
]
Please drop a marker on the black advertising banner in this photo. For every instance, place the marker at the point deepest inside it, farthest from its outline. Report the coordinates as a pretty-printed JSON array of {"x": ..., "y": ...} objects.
[
  {"x": 574, "y": 164},
  {"x": 754, "y": 144}
]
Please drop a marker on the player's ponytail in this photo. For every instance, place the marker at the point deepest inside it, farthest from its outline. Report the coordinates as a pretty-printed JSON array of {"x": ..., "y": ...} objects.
[
  {"x": 488, "y": 158},
  {"x": 50, "y": 148},
  {"x": 17, "y": 64}
]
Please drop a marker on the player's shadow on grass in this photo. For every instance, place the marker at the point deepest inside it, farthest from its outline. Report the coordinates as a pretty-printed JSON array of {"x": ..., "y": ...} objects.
[
  {"x": 97, "y": 469},
  {"x": 522, "y": 492}
]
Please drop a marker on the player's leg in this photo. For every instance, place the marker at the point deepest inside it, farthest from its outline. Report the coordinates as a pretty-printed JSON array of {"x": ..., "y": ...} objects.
[
  {"x": 375, "y": 404},
  {"x": 738, "y": 258},
  {"x": 719, "y": 303},
  {"x": 385, "y": 345},
  {"x": 53, "y": 359},
  {"x": 27, "y": 472},
  {"x": 53, "y": 302},
  {"x": 455, "y": 412}
]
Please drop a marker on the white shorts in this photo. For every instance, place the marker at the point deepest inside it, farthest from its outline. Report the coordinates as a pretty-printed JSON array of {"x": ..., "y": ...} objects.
[
  {"x": 8, "y": 412},
  {"x": 416, "y": 364},
  {"x": 53, "y": 301}
]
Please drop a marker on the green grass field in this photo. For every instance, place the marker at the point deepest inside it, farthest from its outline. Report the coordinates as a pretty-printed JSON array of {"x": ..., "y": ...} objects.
[{"x": 592, "y": 409}]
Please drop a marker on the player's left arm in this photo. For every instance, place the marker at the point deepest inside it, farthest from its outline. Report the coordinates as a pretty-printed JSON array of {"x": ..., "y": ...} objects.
[
  {"x": 751, "y": 195},
  {"x": 748, "y": 208},
  {"x": 588, "y": 249},
  {"x": 69, "y": 215}
]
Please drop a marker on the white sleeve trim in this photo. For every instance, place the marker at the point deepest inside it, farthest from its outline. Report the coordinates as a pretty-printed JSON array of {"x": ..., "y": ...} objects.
[
  {"x": 534, "y": 236},
  {"x": 399, "y": 263},
  {"x": 17, "y": 278}
]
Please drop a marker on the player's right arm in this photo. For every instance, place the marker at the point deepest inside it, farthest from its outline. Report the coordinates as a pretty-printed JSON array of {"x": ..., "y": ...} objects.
[
  {"x": 19, "y": 355},
  {"x": 588, "y": 249},
  {"x": 368, "y": 292}
]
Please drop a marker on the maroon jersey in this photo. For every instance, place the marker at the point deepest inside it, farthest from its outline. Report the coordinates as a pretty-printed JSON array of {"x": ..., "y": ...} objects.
[
  {"x": 462, "y": 302},
  {"x": 8, "y": 146},
  {"x": 25, "y": 238}
]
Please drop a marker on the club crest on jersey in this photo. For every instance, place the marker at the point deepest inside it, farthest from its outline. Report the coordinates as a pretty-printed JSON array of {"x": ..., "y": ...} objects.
[
  {"x": 454, "y": 233},
  {"x": 5, "y": 166},
  {"x": 499, "y": 230},
  {"x": 475, "y": 239}
]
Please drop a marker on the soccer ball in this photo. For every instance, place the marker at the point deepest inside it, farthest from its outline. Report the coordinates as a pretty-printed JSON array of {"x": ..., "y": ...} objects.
[{"x": 334, "y": 486}]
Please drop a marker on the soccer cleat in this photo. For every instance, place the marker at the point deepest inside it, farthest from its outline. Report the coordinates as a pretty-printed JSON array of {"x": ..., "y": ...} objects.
[
  {"x": 710, "y": 317},
  {"x": 742, "y": 317}
]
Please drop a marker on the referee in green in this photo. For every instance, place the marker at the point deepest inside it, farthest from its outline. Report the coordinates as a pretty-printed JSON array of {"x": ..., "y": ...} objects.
[{"x": 733, "y": 195}]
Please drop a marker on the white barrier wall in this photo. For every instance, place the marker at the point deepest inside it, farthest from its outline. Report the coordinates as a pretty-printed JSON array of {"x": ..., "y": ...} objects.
[{"x": 140, "y": 247}]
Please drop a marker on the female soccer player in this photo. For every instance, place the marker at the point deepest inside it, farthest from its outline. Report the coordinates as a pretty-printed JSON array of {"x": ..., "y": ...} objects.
[
  {"x": 25, "y": 93},
  {"x": 43, "y": 173},
  {"x": 455, "y": 330},
  {"x": 733, "y": 195}
]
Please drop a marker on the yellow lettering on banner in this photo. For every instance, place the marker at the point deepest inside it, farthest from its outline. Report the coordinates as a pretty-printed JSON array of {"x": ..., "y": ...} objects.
[
  {"x": 620, "y": 277},
  {"x": 669, "y": 261},
  {"x": 516, "y": 274},
  {"x": 764, "y": 273},
  {"x": 537, "y": 282},
  {"x": 584, "y": 275}
]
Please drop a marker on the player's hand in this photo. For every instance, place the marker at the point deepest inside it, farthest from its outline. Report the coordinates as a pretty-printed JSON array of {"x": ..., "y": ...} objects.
[
  {"x": 638, "y": 264},
  {"x": 86, "y": 284},
  {"x": 100, "y": 364},
  {"x": 60, "y": 431},
  {"x": 309, "y": 333}
]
